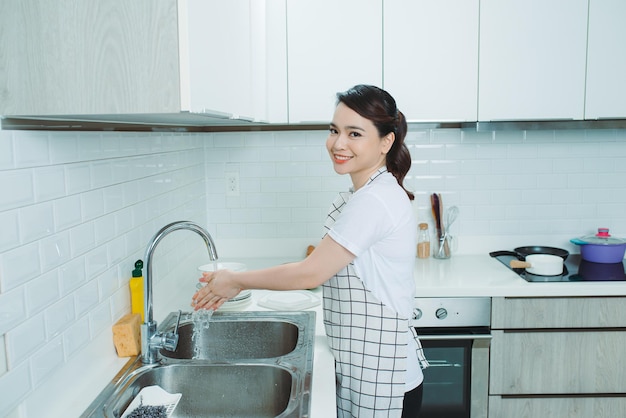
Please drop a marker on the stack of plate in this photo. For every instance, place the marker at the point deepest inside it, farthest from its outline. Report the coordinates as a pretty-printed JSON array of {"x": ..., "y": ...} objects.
[{"x": 243, "y": 297}]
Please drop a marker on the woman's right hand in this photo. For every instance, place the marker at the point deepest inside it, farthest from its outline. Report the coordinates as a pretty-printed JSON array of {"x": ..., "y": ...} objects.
[{"x": 220, "y": 286}]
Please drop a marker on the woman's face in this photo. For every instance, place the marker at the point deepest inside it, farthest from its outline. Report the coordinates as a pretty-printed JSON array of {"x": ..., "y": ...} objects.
[{"x": 354, "y": 145}]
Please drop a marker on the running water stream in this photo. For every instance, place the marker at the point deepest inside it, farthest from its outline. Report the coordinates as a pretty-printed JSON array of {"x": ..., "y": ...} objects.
[{"x": 201, "y": 322}]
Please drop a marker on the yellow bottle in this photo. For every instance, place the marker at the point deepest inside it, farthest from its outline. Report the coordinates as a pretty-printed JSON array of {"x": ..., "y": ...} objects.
[{"x": 136, "y": 290}]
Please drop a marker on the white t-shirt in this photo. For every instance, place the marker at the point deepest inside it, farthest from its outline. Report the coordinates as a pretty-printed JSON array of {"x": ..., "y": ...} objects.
[{"x": 378, "y": 226}]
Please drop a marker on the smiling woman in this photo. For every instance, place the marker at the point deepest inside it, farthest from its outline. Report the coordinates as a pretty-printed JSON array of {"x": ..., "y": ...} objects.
[{"x": 365, "y": 262}]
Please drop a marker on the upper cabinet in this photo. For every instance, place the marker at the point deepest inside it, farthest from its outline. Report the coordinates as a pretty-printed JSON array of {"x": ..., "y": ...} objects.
[
  {"x": 233, "y": 58},
  {"x": 606, "y": 61},
  {"x": 283, "y": 61},
  {"x": 77, "y": 57},
  {"x": 430, "y": 51},
  {"x": 532, "y": 59},
  {"x": 332, "y": 45}
]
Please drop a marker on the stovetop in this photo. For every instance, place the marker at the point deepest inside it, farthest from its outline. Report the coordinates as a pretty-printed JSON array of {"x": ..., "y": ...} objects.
[{"x": 575, "y": 269}]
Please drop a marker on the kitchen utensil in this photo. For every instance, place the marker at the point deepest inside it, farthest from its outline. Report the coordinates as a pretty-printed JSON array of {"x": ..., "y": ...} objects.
[
  {"x": 601, "y": 247},
  {"x": 540, "y": 264},
  {"x": 451, "y": 214},
  {"x": 154, "y": 396},
  {"x": 539, "y": 249}
]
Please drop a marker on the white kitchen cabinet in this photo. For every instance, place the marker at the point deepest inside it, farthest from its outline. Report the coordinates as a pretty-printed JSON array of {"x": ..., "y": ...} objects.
[
  {"x": 234, "y": 58},
  {"x": 606, "y": 60},
  {"x": 557, "y": 357},
  {"x": 430, "y": 51},
  {"x": 532, "y": 58},
  {"x": 332, "y": 45}
]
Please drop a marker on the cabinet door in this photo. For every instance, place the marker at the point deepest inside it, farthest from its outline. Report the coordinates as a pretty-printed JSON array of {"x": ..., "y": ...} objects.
[
  {"x": 219, "y": 53},
  {"x": 606, "y": 60},
  {"x": 332, "y": 46},
  {"x": 585, "y": 362},
  {"x": 431, "y": 58},
  {"x": 78, "y": 57},
  {"x": 532, "y": 59}
]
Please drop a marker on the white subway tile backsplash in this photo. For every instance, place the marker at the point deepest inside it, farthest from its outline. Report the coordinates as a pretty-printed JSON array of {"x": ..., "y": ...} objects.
[
  {"x": 60, "y": 316},
  {"x": 32, "y": 149},
  {"x": 36, "y": 221},
  {"x": 18, "y": 266},
  {"x": 76, "y": 336},
  {"x": 100, "y": 319},
  {"x": 49, "y": 358},
  {"x": 42, "y": 292},
  {"x": 86, "y": 297},
  {"x": 49, "y": 183},
  {"x": 14, "y": 386},
  {"x": 67, "y": 212},
  {"x": 77, "y": 178},
  {"x": 24, "y": 339},
  {"x": 82, "y": 238},
  {"x": 12, "y": 309},
  {"x": 19, "y": 188},
  {"x": 9, "y": 225},
  {"x": 6, "y": 150},
  {"x": 55, "y": 250}
]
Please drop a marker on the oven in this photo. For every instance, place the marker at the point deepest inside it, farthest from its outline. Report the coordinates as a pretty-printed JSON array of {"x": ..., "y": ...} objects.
[{"x": 455, "y": 334}]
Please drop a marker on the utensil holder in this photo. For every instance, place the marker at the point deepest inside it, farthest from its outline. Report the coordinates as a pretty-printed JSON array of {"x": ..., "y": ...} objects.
[{"x": 443, "y": 249}]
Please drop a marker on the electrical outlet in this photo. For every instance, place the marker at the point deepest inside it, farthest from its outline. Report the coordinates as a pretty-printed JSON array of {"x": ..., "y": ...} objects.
[{"x": 232, "y": 183}]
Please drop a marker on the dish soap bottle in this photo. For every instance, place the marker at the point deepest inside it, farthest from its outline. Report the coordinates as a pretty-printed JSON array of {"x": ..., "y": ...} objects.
[
  {"x": 423, "y": 241},
  {"x": 136, "y": 290}
]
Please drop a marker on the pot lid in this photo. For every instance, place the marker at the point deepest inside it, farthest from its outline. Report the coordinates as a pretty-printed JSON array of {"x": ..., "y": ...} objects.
[{"x": 602, "y": 238}]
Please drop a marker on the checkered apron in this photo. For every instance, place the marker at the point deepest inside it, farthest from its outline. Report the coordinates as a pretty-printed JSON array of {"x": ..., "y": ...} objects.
[{"x": 368, "y": 341}]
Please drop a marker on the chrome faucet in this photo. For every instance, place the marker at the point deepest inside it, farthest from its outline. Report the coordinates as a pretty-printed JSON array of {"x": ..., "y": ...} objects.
[{"x": 151, "y": 340}]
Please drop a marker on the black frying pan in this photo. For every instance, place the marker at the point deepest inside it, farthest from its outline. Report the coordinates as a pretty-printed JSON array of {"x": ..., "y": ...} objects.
[
  {"x": 522, "y": 252},
  {"x": 539, "y": 249}
]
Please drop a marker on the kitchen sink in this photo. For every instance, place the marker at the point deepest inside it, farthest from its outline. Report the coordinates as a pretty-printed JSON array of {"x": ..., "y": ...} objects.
[
  {"x": 249, "y": 364},
  {"x": 229, "y": 338},
  {"x": 208, "y": 390}
]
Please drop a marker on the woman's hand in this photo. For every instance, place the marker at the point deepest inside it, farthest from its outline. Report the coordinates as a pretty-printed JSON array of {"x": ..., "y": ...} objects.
[{"x": 220, "y": 286}]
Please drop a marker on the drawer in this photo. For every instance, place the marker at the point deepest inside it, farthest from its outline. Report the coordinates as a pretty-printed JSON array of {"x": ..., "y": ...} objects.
[
  {"x": 563, "y": 312},
  {"x": 555, "y": 362}
]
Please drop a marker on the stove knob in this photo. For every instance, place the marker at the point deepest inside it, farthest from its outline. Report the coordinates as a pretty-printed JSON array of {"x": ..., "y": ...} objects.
[
  {"x": 441, "y": 313},
  {"x": 417, "y": 313}
]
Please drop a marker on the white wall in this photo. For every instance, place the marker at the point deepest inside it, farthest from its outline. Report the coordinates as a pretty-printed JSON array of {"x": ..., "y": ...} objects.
[{"x": 77, "y": 209}]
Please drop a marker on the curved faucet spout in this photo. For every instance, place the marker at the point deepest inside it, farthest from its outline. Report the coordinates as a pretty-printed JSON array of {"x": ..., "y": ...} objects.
[{"x": 149, "y": 338}]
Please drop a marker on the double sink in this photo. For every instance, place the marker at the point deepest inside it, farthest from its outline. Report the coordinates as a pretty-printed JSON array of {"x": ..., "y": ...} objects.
[{"x": 245, "y": 364}]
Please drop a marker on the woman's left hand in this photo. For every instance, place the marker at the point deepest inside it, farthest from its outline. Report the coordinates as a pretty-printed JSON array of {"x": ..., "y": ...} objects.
[{"x": 219, "y": 288}]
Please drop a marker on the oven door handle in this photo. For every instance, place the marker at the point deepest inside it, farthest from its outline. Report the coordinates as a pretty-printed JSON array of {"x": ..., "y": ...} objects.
[{"x": 423, "y": 337}]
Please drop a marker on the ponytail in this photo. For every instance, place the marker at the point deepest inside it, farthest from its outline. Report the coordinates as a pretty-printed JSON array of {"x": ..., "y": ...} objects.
[{"x": 378, "y": 106}]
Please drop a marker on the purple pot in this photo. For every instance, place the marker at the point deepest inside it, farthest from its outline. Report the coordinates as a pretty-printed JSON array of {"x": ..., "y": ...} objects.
[
  {"x": 601, "y": 247},
  {"x": 597, "y": 253}
]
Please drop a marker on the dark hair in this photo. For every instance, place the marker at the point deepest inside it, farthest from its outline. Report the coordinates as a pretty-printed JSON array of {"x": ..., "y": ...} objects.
[{"x": 376, "y": 105}]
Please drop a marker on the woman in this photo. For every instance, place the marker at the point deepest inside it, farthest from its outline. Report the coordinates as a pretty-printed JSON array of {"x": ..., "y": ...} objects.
[{"x": 364, "y": 261}]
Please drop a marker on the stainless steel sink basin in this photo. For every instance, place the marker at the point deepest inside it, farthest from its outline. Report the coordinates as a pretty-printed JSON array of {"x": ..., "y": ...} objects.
[
  {"x": 229, "y": 338},
  {"x": 214, "y": 390},
  {"x": 250, "y": 364}
]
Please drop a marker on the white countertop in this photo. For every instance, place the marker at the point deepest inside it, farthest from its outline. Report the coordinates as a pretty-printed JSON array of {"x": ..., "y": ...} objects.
[{"x": 482, "y": 275}]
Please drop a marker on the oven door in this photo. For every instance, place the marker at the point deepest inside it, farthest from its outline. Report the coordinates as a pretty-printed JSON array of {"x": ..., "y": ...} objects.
[{"x": 456, "y": 383}]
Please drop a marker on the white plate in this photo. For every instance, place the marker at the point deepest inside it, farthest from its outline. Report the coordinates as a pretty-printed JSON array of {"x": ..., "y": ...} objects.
[{"x": 289, "y": 300}]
